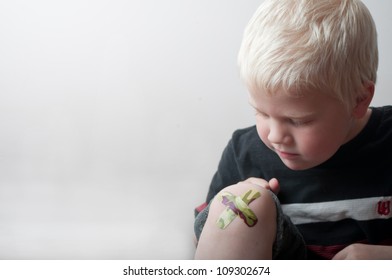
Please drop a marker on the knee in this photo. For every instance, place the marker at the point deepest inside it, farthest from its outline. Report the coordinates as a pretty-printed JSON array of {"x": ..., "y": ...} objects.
[
  {"x": 263, "y": 205},
  {"x": 247, "y": 241}
]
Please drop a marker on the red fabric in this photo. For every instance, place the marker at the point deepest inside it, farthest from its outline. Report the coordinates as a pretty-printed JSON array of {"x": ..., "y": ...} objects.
[{"x": 201, "y": 207}]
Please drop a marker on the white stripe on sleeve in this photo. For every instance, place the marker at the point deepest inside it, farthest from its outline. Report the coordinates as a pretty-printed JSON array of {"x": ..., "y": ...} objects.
[{"x": 362, "y": 209}]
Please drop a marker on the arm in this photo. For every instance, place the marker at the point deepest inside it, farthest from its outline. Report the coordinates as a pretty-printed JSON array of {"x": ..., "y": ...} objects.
[{"x": 365, "y": 252}]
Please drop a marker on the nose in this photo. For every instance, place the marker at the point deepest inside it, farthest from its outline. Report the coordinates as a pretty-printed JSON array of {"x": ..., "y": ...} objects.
[{"x": 278, "y": 134}]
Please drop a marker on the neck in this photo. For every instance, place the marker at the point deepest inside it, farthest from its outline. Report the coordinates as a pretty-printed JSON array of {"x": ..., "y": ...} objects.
[{"x": 358, "y": 125}]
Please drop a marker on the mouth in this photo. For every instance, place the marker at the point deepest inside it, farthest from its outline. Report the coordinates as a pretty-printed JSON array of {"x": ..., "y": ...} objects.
[{"x": 286, "y": 155}]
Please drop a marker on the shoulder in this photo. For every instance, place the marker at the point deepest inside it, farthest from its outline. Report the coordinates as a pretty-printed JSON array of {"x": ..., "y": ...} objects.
[
  {"x": 246, "y": 141},
  {"x": 386, "y": 114},
  {"x": 245, "y": 133},
  {"x": 382, "y": 121},
  {"x": 377, "y": 135},
  {"x": 247, "y": 146},
  {"x": 246, "y": 137}
]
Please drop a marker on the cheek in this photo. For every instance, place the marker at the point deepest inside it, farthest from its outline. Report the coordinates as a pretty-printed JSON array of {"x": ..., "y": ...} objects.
[
  {"x": 262, "y": 131},
  {"x": 318, "y": 145}
]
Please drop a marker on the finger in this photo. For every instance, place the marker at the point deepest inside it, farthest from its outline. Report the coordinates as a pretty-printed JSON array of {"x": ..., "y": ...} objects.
[
  {"x": 274, "y": 185},
  {"x": 258, "y": 181}
]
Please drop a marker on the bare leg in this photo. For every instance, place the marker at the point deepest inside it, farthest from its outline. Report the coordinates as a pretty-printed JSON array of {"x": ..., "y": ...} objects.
[{"x": 239, "y": 241}]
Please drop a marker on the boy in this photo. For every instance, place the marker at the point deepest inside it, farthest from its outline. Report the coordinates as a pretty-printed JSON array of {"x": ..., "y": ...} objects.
[{"x": 313, "y": 178}]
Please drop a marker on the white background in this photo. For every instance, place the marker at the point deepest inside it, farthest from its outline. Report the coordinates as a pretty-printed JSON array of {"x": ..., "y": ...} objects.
[{"x": 113, "y": 117}]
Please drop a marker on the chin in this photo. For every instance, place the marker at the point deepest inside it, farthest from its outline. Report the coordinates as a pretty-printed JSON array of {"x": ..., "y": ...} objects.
[{"x": 298, "y": 166}]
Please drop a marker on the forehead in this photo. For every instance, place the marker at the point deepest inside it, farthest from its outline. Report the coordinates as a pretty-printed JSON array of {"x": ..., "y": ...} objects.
[
  {"x": 284, "y": 97},
  {"x": 281, "y": 102}
]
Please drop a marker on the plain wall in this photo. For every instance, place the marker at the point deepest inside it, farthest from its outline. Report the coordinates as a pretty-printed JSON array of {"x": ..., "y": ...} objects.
[{"x": 113, "y": 117}]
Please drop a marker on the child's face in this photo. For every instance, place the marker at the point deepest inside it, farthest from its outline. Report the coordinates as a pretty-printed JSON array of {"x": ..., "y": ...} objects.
[{"x": 304, "y": 131}]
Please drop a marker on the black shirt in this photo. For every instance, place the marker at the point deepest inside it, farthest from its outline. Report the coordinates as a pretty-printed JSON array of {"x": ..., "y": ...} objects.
[{"x": 345, "y": 200}]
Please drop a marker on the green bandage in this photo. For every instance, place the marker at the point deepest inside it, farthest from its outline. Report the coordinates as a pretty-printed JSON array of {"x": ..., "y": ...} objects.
[{"x": 238, "y": 206}]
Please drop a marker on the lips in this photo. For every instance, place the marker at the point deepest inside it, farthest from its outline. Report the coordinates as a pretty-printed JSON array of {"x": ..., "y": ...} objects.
[{"x": 286, "y": 155}]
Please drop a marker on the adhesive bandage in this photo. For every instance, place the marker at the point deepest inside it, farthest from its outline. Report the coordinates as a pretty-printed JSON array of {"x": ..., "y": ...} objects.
[{"x": 238, "y": 206}]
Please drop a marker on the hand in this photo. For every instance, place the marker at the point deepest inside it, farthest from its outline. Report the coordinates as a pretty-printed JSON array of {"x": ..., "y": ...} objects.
[
  {"x": 365, "y": 252},
  {"x": 272, "y": 184}
]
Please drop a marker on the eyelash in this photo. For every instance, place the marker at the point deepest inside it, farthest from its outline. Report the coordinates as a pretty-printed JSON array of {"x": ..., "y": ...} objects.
[
  {"x": 298, "y": 123},
  {"x": 292, "y": 122},
  {"x": 257, "y": 113}
]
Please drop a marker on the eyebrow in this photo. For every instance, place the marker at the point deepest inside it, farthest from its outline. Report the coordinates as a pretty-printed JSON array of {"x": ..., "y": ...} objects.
[
  {"x": 295, "y": 117},
  {"x": 250, "y": 102}
]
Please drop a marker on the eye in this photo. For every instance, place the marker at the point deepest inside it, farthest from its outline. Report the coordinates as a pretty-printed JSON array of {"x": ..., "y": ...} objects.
[
  {"x": 261, "y": 114},
  {"x": 299, "y": 122}
]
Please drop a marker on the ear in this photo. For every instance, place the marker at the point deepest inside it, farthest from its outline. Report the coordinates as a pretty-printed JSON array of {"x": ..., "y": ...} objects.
[{"x": 363, "y": 101}]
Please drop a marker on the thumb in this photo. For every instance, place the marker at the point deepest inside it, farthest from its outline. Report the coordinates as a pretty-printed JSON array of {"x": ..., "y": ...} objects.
[{"x": 274, "y": 185}]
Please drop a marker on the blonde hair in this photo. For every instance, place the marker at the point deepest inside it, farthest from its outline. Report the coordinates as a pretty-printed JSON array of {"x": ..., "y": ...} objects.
[{"x": 327, "y": 45}]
